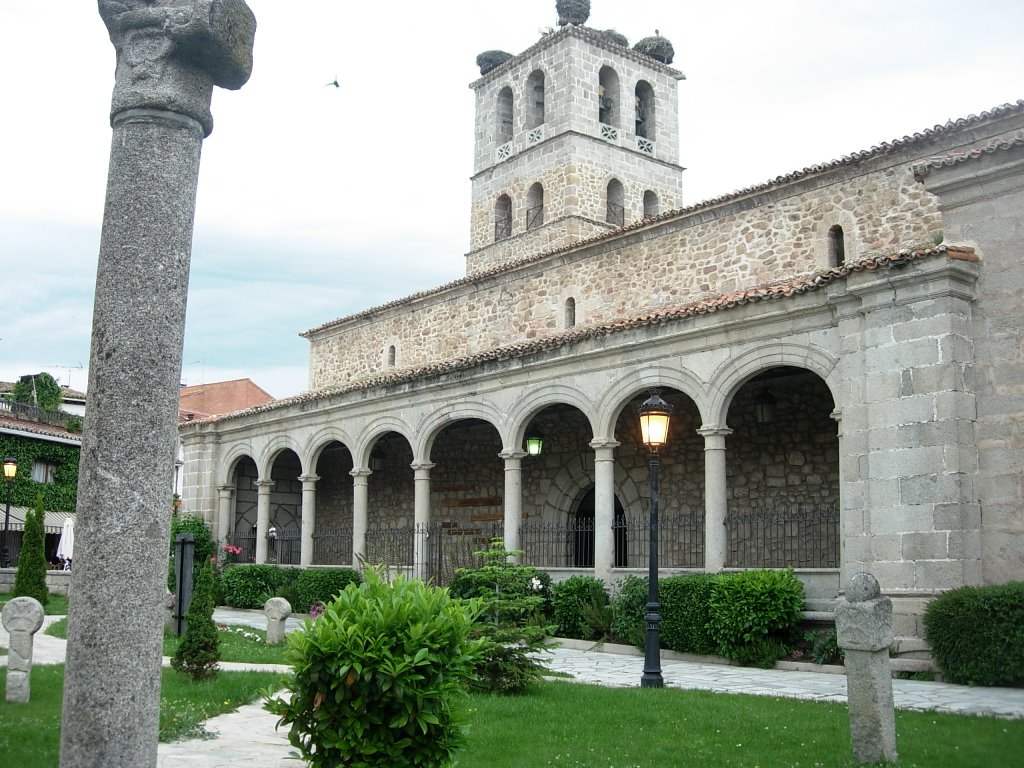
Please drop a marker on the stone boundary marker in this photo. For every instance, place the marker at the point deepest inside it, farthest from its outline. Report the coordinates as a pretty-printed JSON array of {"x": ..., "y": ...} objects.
[
  {"x": 277, "y": 610},
  {"x": 22, "y": 617}
]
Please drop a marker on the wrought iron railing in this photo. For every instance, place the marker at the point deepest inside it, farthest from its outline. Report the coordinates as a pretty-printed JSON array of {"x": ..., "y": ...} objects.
[
  {"x": 247, "y": 543},
  {"x": 503, "y": 228},
  {"x": 781, "y": 536},
  {"x": 534, "y": 216},
  {"x": 680, "y": 541},
  {"x": 332, "y": 546},
  {"x": 566, "y": 544}
]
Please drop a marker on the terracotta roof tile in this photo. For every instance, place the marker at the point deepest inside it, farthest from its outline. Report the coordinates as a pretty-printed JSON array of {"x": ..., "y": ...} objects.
[
  {"x": 794, "y": 286},
  {"x": 921, "y": 170},
  {"x": 35, "y": 428}
]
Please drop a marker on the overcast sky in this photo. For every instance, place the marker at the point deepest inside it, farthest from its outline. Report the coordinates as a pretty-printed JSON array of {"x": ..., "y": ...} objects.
[{"x": 316, "y": 202}]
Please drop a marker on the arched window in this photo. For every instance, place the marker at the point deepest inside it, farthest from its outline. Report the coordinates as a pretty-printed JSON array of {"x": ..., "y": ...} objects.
[
  {"x": 503, "y": 129},
  {"x": 836, "y": 247},
  {"x": 608, "y": 97},
  {"x": 650, "y": 204},
  {"x": 535, "y": 206},
  {"x": 535, "y": 100},
  {"x": 503, "y": 217},
  {"x": 643, "y": 102},
  {"x": 570, "y": 312},
  {"x": 392, "y": 356},
  {"x": 616, "y": 213}
]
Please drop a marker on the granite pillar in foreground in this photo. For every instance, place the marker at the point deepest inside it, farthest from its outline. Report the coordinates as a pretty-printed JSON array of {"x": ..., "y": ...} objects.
[
  {"x": 864, "y": 632},
  {"x": 170, "y": 55}
]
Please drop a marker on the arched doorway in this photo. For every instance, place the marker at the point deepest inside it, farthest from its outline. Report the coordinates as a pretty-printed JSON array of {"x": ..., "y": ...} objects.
[{"x": 581, "y": 541}]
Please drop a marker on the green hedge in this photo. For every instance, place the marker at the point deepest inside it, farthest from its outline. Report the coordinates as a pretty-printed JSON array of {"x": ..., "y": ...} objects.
[
  {"x": 628, "y": 606},
  {"x": 685, "y": 605},
  {"x": 251, "y": 585},
  {"x": 755, "y": 615},
  {"x": 321, "y": 585},
  {"x": 977, "y": 634},
  {"x": 576, "y": 601}
]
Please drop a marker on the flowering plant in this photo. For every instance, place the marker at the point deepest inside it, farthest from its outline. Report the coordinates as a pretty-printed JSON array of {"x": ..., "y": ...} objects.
[{"x": 231, "y": 553}]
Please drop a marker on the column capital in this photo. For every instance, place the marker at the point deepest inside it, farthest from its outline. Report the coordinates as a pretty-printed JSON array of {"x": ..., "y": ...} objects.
[
  {"x": 358, "y": 472},
  {"x": 264, "y": 485},
  {"x": 308, "y": 478},
  {"x": 837, "y": 415},
  {"x": 422, "y": 466},
  {"x": 604, "y": 442},
  {"x": 225, "y": 489},
  {"x": 513, "y": 453},
  {"x": 709, "y": 430}
]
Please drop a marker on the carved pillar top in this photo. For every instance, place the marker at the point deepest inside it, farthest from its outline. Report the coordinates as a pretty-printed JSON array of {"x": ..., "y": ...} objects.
[
  {"x": 170, "y": 53},
  {"x": 513, "y": 455}
]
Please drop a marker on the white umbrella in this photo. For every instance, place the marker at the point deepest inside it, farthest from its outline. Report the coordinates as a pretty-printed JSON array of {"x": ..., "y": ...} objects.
[{"x": 66, "y": 545}]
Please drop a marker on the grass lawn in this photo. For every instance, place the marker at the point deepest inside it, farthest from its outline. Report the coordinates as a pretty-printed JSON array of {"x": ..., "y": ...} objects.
[
  {"x": 57, "y": 605},
  {"x": 583, "y": 726},
  {"x": 30, "y": 733}
]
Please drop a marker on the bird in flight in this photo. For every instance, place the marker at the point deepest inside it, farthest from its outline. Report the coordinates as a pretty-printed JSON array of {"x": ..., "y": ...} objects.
[{"x": 335, "y": 83}]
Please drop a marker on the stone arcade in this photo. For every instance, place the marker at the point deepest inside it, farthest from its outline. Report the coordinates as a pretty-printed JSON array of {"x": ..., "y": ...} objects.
[{"x": 841, "y": 345}]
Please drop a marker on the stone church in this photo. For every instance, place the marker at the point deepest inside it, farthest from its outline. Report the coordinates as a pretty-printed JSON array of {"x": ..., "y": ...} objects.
[{"x": 842, "y": 348}]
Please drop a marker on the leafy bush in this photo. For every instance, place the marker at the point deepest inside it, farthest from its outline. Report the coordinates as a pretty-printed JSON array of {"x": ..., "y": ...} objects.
[
  {"x": 250, "y": 585},
  {"x": 511, "y": 626},
  {"x": 685, "y": 606},
  {"x": 755, "y": 612},
  {"x": 30, "y": 578},
  {"x": 378, "y": 677},
  {"x": 199, "y": 650},
  {"x": 977, "y": 634},
  {"x": 575, "y": 602},
  {"x": 826, "y": 650},
  {"x": 629, "y": 605},
  {"x": 196, "y": 526},
  {"x": 321, "y": 585}
]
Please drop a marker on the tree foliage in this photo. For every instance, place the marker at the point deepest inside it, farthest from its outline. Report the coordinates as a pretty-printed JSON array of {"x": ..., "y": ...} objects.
[
  {"x": 199, "y": 649},
  {"x": 40, "y": 389},
  {"x": 30, "y": 580}
]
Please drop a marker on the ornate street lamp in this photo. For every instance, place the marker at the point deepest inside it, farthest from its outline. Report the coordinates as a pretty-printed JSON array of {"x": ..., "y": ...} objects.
[
  {"x": 534, "y": 445},
  {"x": 655, "y": 415},
  {"x": 10, "y": 470}
]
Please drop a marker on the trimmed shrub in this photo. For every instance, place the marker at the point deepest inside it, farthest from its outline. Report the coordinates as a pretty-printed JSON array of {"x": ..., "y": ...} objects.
[
  {"x": 30, "y": 578},
  {"x": 199, "y": 650},
  {"x": 574, "y": 602},
  {"x": 685, "y": 606},
  {"x": 511, "y": 627},
  {"x": 977, "y": 634},
  {"x": 629, "y": 605},
  {"x": 379, "y": 676},
  {"x": 321, "y": 585},
  {"x": 250, "y": 585},
  {"x": 755, "y": 613}
]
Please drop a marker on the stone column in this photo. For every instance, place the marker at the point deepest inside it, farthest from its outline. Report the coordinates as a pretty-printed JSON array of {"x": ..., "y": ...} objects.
[
  {"x": 225, "y": 495},
  {"x": 360, "y": 514},
  {"x": 263, "y": 489},
  {"x": 604, "y": 507},
  {"x": 422, "y": 517},
  {"x": 864, "y": 632},
  {"x": 837, "y": 417},
  {"x": 513, "y": 496},
  {"x": 170, "y": 55},
  {"x": 715, "y": 496},
  {"x": 22, "y": 617},
  {"x": 308, "y": 518}
]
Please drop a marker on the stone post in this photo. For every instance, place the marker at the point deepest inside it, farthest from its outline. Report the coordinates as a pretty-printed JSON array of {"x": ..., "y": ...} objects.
[
  {"x": 715, "y": 497},
  {"x": 604, "y": 508},
  {"x": 22, "y": 617},
  {"x": 225, "y": 495},
  {"x": 513, "y": 497},
  {"x": 263, "y": 489},
  {"x": 170, "y": 55},
  {"x": 421, "y": 512},
  {"x": 277, "y": 610},
  {"x": 360, "y": 514},
  {"x": 864, "y": 632},
  {"x": 308, "y": 519}
]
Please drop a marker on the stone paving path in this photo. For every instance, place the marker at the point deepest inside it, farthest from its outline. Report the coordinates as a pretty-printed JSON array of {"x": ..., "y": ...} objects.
[{"x": 248, "y": 737}]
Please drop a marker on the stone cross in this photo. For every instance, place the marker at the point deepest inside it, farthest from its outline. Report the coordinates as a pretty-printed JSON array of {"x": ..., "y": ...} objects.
[
  {"x": 278, "y": 610},
  {"x": 864, "y": 632},
  {"x": 169, "y": 56},
  {"x": 22, "y": 617}
]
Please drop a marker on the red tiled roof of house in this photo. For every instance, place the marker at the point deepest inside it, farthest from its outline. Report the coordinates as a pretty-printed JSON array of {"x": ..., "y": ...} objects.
[
  {"x": 771, "y": 292},
  {"x": 219, "y": 397},
  {"x": 28, "y": 428}
]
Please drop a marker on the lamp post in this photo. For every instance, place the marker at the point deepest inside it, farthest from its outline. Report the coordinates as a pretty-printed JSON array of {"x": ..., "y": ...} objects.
[
  {"x": 655, "y": 415},
  {"x": 10, "y": 470}
]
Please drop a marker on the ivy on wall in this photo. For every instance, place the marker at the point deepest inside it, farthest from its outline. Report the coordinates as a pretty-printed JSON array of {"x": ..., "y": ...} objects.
[{"x": 59, "y": 496}]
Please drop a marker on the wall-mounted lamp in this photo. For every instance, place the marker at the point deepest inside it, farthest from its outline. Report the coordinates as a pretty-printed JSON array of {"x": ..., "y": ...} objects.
[
  {"x": 764, "y": 407},
  {"x": 534, "y": 445}
]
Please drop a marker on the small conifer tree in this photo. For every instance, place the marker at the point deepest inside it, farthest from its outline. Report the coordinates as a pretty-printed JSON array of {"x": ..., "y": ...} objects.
[
  {"x": 30, "y": 580},
  {"x": 199, "y": 649}
]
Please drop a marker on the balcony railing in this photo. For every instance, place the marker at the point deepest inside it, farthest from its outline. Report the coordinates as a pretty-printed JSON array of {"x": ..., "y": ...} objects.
[{"x": 795, "y": 535}]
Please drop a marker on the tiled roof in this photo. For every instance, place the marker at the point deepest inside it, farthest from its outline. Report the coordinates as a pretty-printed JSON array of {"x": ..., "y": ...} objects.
[
  {"x": 771, "y": 292},
  {"x": 857, "y": 157},
  {"x": 218, "y": 397},
  {"x": 954, "y": 158},
  {"x": 35, "y": 429}
]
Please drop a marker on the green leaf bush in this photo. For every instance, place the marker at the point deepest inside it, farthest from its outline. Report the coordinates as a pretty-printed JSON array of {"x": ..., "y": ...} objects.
[
  {"x": 685, "y": 605},
  {"x": 628, "y": 607},
  {"x": 250, "y": 585},
  {"x": 977, "y": 634},
  {"x": 199, "y": 650},
  {"x": 755, "y": 614},
  {"x": 574, "y": 602},
  {"x": 379, "y": 677},
  {"x": 321, "y": 585}
]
